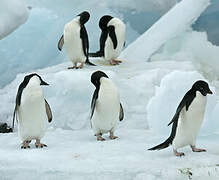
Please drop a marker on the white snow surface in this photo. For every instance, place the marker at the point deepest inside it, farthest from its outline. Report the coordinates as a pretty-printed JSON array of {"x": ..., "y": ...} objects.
[
  {"x": 13, "y": 13},
  {"x": 173, "y": 23}
]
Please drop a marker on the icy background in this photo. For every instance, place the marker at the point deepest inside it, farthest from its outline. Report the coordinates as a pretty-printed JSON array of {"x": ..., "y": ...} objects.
[{"x": 166, "y": 52}]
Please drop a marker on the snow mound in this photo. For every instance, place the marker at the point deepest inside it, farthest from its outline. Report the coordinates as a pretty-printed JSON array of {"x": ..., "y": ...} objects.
[
  {"x": 162, "y": 107},
  {"x": 13, "y": 13},
  {"x": 165, "y": 29}
]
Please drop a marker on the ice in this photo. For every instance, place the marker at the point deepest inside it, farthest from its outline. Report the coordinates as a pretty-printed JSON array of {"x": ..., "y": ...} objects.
[
  {"x": 165, "y": 29},
  {"x": 13, "y": 13}
]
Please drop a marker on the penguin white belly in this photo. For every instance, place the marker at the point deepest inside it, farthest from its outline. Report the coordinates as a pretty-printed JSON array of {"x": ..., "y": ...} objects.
[
  {"x": 109, "y": 52},
  {"x": 32, "y": 115},
  {"x": 73, "y": 42},
  {"x": 106, "y": 113},
  {"x": 189, "y": 122}
]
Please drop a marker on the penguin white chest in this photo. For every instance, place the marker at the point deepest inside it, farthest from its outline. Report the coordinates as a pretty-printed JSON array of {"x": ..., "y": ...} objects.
[
  {"x": 73, "y": 42},
  {"x": 120, "y": 31},
  {"x": 190, "y": 121},
  {"x": 106, "y": 113},
  {"x": 32, "y": 115}
]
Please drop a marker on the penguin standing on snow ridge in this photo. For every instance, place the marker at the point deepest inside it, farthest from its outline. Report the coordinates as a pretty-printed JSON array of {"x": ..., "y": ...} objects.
[
  {"x": 76, "y": 40},
  {"x": 106, "y": 108},
  {"x": 188, "y": 119},
  {"x": 112, "y": 39},
  {"x": 32, "y": 111}
]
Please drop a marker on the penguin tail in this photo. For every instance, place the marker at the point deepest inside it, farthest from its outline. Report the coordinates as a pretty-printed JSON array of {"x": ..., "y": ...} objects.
[
  {"x": 89, "y": 63},
  {"x": 163, "y": 145},
  {"x": 96, "y": 54}
]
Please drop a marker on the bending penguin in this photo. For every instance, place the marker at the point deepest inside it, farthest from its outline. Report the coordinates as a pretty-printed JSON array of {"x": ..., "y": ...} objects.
[
  {"x": 76, "y": 40},
  {"x": 32, "y": 111},
  {"x": 112, "y": 39},
  {"x": 106, "y": 108},
  {"x": 187, "y": 119}
]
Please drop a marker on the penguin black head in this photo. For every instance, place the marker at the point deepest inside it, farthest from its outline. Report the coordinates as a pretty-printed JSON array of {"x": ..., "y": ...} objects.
[
  {"x": 202, "y": 87},
  {"x": 104, "y": 21},
  {"x": 28, "y": 77},
  {"x": 95, "y": 78},
  {"x": 84, "y": 17}
]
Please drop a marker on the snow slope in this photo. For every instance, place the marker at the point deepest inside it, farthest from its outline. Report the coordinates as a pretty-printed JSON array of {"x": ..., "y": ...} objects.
[
  {"x": 173, "y": 23},
  {"x": 13, "y": 13}
]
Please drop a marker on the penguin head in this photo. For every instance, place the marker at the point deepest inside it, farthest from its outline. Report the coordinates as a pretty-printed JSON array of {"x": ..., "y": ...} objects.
[
  {"x": 202, "y": 87},
  {"x": 84, "y": 17},
  {"x": 104, "y": 21},
  {"x": 95, "y": 78},
  {"x": 34, "y": 77}
]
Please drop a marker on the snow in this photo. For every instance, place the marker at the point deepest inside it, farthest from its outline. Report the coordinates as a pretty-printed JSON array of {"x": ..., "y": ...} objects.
[
  {"x": 13, "y": 13},
  {"x": 165, "y": 29},
  {"x": 149, "y": 91}
]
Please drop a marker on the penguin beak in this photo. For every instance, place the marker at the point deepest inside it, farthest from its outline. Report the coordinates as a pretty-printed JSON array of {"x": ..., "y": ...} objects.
[
  {"x": 210, "y": 92},
  {"x": 44, "y": 83}
]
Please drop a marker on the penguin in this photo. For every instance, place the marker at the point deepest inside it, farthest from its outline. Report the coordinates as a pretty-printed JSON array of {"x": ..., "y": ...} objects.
[
  {"x": 187, "y": 119},
  {"x": 106, "y": 109},
  {"x": 32, "y": 111},
  {"x": 76, "y": 40},
  {"x": 112, "y": 39}
]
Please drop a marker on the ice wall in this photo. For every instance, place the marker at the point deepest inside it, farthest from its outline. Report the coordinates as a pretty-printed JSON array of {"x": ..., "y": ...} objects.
[
  {"x": 13, "y": 13},
  {"x": 173, "y": 23}
]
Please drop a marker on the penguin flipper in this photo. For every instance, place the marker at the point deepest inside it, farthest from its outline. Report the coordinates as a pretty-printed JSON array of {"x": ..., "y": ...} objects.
[
  {"x": 96, "y": 54},
  {"x": 112, "y": 35},
  {"x": 61, "y": 43},
  {"x": 93, "y": 102},
  {"x": 121, "y": 114},
  {"x": 48, "y": 111}
]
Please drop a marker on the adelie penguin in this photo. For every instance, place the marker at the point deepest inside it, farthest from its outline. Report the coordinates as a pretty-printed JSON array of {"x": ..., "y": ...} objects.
[
  {"x": 76, "y": 41},
  {"x": 112, "y": 39},
  {"x": 32, "y": 111},
  {"x": 187, "y": 119},
  {"x": 106, "y": 109}
]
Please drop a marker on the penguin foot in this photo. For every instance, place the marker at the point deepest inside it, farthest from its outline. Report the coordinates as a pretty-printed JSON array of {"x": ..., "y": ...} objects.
[
  {"x": 73, "y": 67},
  {"x": 112, "y": 136},
  {"x": 25, "y": 145},
  {"x": 114, "y": 62},
  {"x": 119, "y": 61},
  {"x": 194, "y": 149},
  {"x": 81, "y": 66},
  {"x": 178, "y": 153},
  {"x": 100, "y": 138},
  {"x": 39, "y": 145}
]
